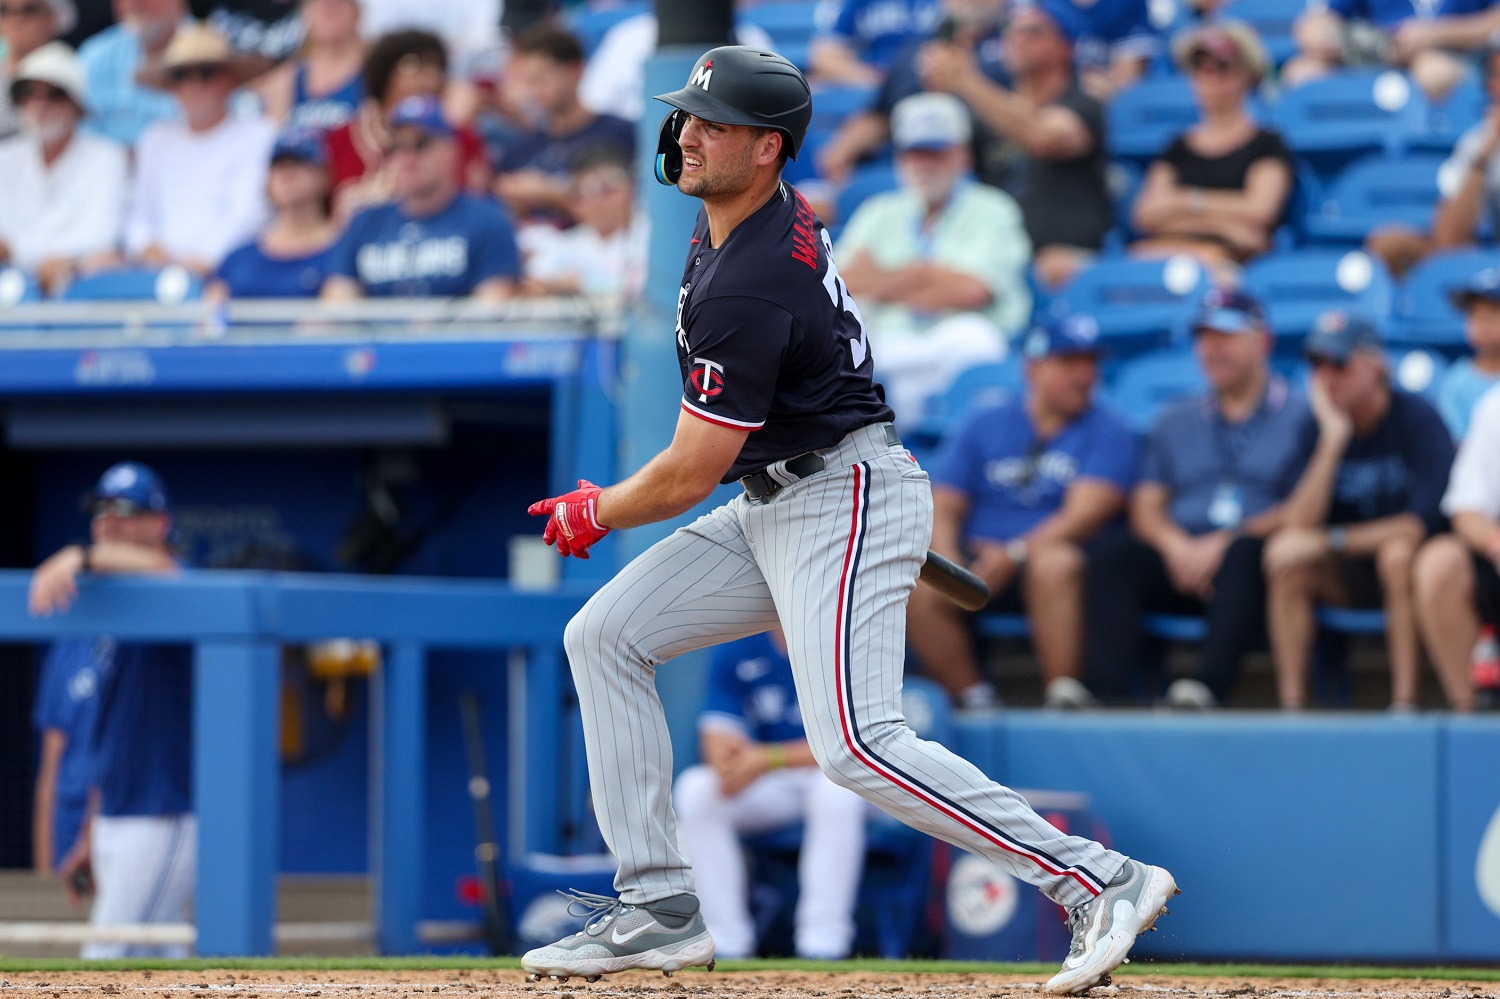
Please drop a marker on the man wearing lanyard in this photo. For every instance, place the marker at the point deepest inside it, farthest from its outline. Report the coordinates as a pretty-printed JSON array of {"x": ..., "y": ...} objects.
[
  {"x": 1215, "y": 474},
  {"x": 938, "y": 266}
]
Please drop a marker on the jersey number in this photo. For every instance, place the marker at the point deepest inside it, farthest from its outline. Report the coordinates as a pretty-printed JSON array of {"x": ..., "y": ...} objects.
[{"x": 843, "y": 302}]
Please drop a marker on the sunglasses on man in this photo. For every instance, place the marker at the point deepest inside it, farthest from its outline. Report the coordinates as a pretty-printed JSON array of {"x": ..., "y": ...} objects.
[{"x": 200, "y": 74}]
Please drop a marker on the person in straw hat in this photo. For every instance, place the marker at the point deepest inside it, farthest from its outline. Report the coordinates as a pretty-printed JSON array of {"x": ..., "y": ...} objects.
[
  {"x": 63, "y": 199},
  {"x": 209, "y": 166}
]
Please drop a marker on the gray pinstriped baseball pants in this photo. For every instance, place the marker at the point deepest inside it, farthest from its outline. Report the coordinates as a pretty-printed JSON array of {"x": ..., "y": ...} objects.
[{"x": 832, "y": 558}]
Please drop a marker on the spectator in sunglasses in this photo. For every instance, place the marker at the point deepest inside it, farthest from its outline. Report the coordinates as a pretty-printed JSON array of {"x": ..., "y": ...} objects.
[
  {"x": 1368, "y": 498},
  {"x": 25, "y": 26},
  {"x": 433, "y": 240},
  {"x": 208, "y": 166},
  {"x": 63, "y": 199},
  {"x": 1220, "y": 188}
]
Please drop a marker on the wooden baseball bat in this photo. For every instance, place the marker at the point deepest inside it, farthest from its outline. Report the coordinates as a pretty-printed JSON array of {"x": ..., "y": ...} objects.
[{"x": 954, "y": 582}]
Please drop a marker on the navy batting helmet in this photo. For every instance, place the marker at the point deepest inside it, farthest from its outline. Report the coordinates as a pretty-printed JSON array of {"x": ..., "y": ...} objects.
[{"x": 736, "y": 85}]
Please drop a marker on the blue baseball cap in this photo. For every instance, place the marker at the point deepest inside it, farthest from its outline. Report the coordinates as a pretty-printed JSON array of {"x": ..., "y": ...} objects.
[
  {"x": 1485, "y": 285},
  {"x": 1064, "y": 336},
  {"x": 1068, "y": 19},
  {"x": 424, "y": 113},
  {"x": 1228, "y": 310},
  {"x": 1337, "y": 334},
  {"x": 130, "y": 484},
  {"x": 304, "y": 145}
]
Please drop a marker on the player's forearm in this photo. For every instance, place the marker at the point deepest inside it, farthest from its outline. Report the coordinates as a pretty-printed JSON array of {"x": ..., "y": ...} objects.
[
  {"x": 1453, "y": 223},
  {"x": 123, "y": 557},
  {"x": 1466, "y": 31},
  {"x": 796, "y": 753},
  {"x": 938, "y": 288},
  {"x": 1078, "y": 521},
  {"x": 659, "y": 491}
]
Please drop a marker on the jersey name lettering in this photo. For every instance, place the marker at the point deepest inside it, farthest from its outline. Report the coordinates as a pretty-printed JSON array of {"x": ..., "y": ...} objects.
[{"x": 383, "y": 263}]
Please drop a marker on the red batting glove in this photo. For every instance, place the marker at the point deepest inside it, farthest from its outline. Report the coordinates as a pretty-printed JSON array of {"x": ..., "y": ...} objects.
[{"x": 573, "y": 521}]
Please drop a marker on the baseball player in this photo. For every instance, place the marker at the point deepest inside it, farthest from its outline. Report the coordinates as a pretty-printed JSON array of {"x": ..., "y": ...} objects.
[
  {"x": 759, "y": 775},
  {"x": 138, "y": 842},
  {"x": 826, "y": 539}
]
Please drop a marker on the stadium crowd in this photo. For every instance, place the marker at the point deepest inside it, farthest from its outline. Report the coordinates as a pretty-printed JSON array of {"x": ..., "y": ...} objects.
[{"x": 1225, "y": 260}]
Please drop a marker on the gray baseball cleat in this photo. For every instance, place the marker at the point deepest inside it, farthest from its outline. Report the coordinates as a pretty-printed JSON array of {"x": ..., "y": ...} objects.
[
  {"x": 1105, "y": 928},
  {"x": 666, "y": 935}
]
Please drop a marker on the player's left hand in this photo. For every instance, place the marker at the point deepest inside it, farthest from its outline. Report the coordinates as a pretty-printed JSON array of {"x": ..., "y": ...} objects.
[
  {"x": 573, "y": 523},
  {"x": 54, "y": 585}
]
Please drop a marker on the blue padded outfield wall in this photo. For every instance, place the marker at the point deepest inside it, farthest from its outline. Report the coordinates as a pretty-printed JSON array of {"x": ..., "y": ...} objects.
[{"x": 1318, "y": 837}]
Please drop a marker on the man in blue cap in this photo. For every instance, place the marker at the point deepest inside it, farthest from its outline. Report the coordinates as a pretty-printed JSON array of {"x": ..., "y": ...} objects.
[
  {"x": 1369, "y": 497},
  {"x": 1214, "y": 476},
  {"x": 433, "y": 240},
  {"x": 118, "y": 720},
  {"x": 1018, "y": 492},
  {"x": 1466, "y": 380}
]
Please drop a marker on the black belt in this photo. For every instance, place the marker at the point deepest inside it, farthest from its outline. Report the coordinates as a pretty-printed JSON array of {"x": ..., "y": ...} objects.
[{"x": 760, "y": 485}]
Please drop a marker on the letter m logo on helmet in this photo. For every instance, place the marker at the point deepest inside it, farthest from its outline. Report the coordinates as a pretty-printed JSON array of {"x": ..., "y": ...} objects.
[{"x": 702, "y": 75}]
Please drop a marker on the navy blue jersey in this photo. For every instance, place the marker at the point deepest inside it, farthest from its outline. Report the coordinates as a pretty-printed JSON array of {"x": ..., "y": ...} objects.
[
  {"x": 769, "y": 339},
  {"x": 143, "y": 737}
]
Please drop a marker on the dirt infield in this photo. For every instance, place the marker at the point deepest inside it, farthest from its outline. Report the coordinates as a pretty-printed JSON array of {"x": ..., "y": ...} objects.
[{"x": 505, "y": 983}]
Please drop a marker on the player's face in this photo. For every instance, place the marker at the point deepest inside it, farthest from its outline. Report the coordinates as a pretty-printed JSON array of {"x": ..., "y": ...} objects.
[
  {"x": 330, "y": 20},
  {"x": 1064, "y": 385},
  {"x": 1482, "y": 325},
  {"x": 1351, "y": 382},
  {"x": 717, "y": 160},
  {"x": 1231, "y": 360},
  {"x": 1217, "y": 81},
  {"x": 148, "y": 529}
]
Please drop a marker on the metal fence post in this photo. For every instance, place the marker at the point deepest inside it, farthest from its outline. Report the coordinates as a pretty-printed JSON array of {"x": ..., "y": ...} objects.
[{"x": 398, "y": 792}]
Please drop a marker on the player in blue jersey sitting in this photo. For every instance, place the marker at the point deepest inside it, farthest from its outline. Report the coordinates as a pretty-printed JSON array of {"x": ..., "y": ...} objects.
[
  {"x": 433, "y": 240},
  {"x": 138, "y": 842},
  {"x": 758, "y": 775}
]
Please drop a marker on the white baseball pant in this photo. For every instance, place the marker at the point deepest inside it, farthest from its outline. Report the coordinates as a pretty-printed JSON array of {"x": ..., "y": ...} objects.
[
  {"x": 144, "y": 870},
  {"x": 832, "y": 558},
  {"x": 828, "y": 866}
]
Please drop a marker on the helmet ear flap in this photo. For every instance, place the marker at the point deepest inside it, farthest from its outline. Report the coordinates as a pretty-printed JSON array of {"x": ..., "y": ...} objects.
[{"x": 668, "y": 151}]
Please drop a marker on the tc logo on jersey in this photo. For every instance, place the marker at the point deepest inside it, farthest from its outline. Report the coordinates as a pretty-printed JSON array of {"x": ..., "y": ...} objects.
[
  {"x": 702, "y": 75},
  {"x": 707, "y": 378}
]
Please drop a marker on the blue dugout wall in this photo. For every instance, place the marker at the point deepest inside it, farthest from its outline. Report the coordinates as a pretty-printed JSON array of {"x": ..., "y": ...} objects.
[{"x": 1319, "y": 837}]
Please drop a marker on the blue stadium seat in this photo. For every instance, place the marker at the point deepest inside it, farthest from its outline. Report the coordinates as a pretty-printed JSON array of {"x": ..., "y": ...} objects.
[
  {"x": 168, "y": 286},
  {"x": 980, "y": 385},
  {"x": 1272, "y": 20},
  {"x": 1144, "y": 385},
  {"x": 1337, "y": 118},
  {"x": 1144, "y": 118},
  {"x": 1424, "y": 316},
  {"x": 590, "y": 24},
  {"x": 1295, "y": 287},
  {"x": 867, "y": 179},
  {"x": 1418, "y": 371},
  {"x": 1373, "y": 192},
  {"x": 17, "y": 286},
  {"x": 1124, "y": 179},
  {"x": 1139, "y": 304},
  {"x": 788, "y": 22},
  {"x": 831, "y": 105},
  {"x": 1439, "y": 124}
]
